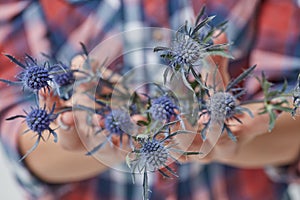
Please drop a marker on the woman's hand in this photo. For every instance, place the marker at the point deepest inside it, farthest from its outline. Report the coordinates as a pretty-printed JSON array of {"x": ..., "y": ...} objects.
[
  {"x": 255, "y": 146},
  {"x": 66, "y": 160}
]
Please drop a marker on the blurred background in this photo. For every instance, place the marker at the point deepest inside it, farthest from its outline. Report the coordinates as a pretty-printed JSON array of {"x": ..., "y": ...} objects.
[{"x": 8, "y": 186}]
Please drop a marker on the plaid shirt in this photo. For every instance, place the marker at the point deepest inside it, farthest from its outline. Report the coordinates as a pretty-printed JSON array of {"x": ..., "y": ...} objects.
[{"x": 264, "y": 32}]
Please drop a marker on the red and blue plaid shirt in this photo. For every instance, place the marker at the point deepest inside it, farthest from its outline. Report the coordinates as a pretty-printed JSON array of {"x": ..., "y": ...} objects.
[{"x": 263, "y": 32}]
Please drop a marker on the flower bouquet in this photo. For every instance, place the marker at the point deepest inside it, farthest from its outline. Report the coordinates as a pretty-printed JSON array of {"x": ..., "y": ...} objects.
[{"x": 147, "y": 115}]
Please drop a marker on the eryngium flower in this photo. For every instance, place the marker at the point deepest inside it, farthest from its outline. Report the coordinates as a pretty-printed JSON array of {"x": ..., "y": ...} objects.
[
  {"x": 193, "y": 43},
  {"x": 150, "y": 157},
  {"x": 64, "y": 78},
  {"x": 63, "y": 81},
  {"x": 154, "y": 154},
  {"x": 163, "y": 108},
  {"x": 118, "y": 122},
  {"x": 221, "y": 106},
  {"x": 38, "y": 120},
  {"x": 185, "y": 51},
  {"x": 34, "y": 76}
]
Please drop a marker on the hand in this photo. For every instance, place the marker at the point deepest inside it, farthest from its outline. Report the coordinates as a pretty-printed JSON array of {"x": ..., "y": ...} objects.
[
  {"x": 74, "y": 129},
  {"x": 255, "y": 146},
  {"x": 65, "y": 160}
]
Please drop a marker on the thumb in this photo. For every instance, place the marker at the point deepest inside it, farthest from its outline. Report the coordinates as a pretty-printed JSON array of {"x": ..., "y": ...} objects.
[{"x": 68, "y": 135}]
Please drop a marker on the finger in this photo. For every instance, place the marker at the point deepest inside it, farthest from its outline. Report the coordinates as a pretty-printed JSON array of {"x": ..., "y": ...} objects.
[
  {"x": 47, "y": 98},
  {"x": 121, "y": 143},
  {"x": 187, "y": 142},
  {"x": 79, "y": 62},
  {"x": 99, "y": 120},
  {"x": 98, "y": 75},
  {"x": 85, "y": 68},
  {"x": 68, "y": 135}
]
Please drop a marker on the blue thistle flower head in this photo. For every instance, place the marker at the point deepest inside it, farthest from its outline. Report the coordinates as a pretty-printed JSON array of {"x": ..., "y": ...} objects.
[
  {"x": 151, "y": 156},
  {"x": 193, "y": 43},
  {"x": 64, "y": 78},
  {"x": 154, "y": 154},
  {"x": 34, "y": 76},
  {"x": 38, "y": 120},
  {"x": 162, "y": 108},
  {"x": 118, "y": 122},
  {"x": 185, "y": 51},
  {"x": 222, "y": 106},
  {"x": 153, "y": 150}
]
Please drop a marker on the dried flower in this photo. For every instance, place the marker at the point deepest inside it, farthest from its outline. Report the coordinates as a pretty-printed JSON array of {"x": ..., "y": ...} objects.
[
  {"x": 34, "y": 76},
  {"x": 185, "y": 51},
  {"x": 223, "y": 105},
  {"x": 63, "y": 80},
  {"x": 65, "y": 77},
  {"x": 153, "y": 153},
  {"x": 151, "y": 156},
  {"x": 117, "y": 122},
  {"x": 190, "y": 46},
  {"x": 163, "y": 108},
  {"x": 38, "y": 120}
]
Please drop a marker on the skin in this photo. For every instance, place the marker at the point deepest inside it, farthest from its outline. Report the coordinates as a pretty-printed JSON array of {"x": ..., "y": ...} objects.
[
  {"x": 66, "y": 161},
  {"x": 256, "y": 146}
]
